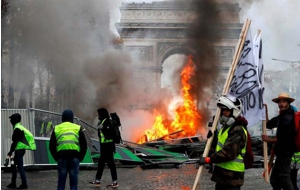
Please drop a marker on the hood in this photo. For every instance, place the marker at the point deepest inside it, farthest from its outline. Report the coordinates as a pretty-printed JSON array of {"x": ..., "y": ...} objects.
[
  {"x": 67, "y": 115},
  {"x": 102, "y": 113},
  {"x": 15, "y": 118},
  {"x": 241, "y": 121}
]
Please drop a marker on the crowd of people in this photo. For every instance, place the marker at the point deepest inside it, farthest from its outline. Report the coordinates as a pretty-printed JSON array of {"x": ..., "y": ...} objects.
[{"x": 68, "y": 147}]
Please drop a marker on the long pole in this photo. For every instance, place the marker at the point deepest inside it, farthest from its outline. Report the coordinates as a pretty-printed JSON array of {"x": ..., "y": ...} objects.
[
  {"x": 225, "y": 90},
  {"x": 265, "y": 147}
]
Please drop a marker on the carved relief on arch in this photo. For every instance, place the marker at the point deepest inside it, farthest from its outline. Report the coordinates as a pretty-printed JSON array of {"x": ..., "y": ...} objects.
[
  {"x": 138, "y": 13},
  {"x": 149, "y": 14},
  {"x": 127, "y": 14},
  {"x": 169, "y": 13},
  {"x": 158, "y": 14},
  {"x": 141, "y": 53}
]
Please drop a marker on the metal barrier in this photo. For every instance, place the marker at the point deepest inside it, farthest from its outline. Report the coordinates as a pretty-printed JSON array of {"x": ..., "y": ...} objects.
[{"x": 36, "y": 121}]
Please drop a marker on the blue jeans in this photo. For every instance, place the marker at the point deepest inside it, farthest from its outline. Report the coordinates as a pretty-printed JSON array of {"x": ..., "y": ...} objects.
[
  {"x": 18, "y": 163},
  {"x": 66, "y": 166}
]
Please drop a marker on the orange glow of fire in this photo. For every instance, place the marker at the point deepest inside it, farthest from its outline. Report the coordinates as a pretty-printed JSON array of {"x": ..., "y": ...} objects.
[
  {"x": 187, "y": 116},
  {"x": 186, "y": 119},
  {"x": 158, "y": 130}
]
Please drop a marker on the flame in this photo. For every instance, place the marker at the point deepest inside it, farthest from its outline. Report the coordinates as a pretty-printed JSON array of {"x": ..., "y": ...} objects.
[
  {"x": 186, "y": 118},
  {"x": 158, "y": 130}
]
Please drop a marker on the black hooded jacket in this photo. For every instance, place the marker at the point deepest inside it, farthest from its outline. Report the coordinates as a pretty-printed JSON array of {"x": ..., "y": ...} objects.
[
  {"x": 107, "y": 130},
  {"x": 67, "y": 116}
]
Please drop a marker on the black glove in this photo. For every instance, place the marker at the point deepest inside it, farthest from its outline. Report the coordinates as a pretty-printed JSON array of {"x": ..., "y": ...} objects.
[
  {"x": 204, "y": 160},
  {"x": 209, "y": 134},
  {"x": 9, "y": 154}
]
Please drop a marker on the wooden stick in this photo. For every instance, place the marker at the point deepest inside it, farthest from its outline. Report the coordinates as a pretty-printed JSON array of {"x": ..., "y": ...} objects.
[
  {"x": 225, "y": 90},
  {"x": 265, "y": 147},
  {"x": 160, "y": 138},
  {"x": 270, "y": 162}
]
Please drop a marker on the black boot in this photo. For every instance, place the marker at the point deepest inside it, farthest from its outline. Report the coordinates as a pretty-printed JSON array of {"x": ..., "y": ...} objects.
[
  {"x": 23, "y": 186},
  {"x": 12, "y": 186}
]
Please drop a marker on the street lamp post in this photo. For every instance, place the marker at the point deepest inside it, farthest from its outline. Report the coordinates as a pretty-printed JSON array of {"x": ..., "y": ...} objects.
[{"x": 293, "y": 65}]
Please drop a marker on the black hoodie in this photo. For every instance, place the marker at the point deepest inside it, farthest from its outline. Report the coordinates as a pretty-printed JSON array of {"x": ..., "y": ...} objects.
[
  {"x": 107, "y": 130},
  {"x": 67, "y": 115}
]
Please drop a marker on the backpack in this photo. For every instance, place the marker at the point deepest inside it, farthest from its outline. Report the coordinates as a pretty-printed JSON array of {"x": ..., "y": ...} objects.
[
  {"x": 116, "y": 123},
  {"x": 297, "y": 128}
]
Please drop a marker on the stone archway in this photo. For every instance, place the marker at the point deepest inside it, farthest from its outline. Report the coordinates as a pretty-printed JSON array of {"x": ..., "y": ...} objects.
[
  {"x": 166, "y": 49},
  {"x": 153, "y": 32}
]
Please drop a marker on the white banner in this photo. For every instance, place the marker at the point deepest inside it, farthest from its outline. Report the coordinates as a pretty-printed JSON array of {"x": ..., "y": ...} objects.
[{"x": 247, "y": 82}]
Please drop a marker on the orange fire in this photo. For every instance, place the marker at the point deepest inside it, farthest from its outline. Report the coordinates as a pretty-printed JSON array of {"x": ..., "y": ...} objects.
[{"x": 186, "y": 117}]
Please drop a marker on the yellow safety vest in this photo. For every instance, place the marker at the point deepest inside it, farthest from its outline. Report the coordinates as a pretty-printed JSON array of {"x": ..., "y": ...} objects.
[
  {"x": 102, "y": 137},
  {"x": 67, "y": 136},
  {"x": 30, "y": 143},
  {"x": 48, "y": 127},
  {"x": 296, "y": 157},
  {"x": 238, "y": 163}
]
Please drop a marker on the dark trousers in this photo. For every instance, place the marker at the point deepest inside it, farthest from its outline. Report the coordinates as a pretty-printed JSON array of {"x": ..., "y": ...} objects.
[
  {"x": 280, "y": 176},
  {"x": 18, "y": 163},
  {"x": 294, "y": 173},
  {"x": 219, "y": 186},
  {"x": 107, "y": 157}
]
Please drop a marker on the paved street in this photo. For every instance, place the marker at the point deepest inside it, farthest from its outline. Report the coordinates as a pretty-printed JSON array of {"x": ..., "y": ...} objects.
[{"x": 137, "y": 179}]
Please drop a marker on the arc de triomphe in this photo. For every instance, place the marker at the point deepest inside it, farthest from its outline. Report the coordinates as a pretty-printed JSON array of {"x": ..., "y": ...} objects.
[{"x": 154, "y": 31}]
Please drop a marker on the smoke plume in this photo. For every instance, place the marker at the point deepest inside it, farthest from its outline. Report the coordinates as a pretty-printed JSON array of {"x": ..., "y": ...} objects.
[
  {"x": 205, "y": 31},
  {"x": 68, "y": 43}
]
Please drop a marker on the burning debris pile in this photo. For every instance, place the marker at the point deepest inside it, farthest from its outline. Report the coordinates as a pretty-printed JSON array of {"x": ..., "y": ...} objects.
[
  {"x": 185, "y": 120},
  {"x": 174, "y": 140}
]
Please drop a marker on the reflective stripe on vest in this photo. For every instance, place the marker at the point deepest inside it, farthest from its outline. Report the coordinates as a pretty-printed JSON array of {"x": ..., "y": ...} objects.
[
  {"x": 296, "y": 157},
  {"x": 102, "y": 137},
  {"x": 67, "y": 136},
  {"x": 29, "y": 142},
  {"x": 238, "y": 163}
]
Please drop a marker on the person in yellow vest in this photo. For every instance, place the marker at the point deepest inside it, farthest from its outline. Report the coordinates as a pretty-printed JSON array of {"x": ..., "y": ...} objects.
[
  {"x": 22, "y": 139},
  {"x": 68, "y": 147},
  {"x": 46, "y": 128},
  {"x": 107, "y": 149},
  {"x": 228, "y": 161}
]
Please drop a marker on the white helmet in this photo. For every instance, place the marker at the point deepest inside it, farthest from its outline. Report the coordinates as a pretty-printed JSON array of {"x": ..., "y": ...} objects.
[{"x": 230, "y": 102}]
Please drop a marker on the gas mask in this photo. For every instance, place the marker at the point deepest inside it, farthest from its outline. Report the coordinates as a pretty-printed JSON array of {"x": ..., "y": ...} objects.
[{"x": 226, "y": 120}]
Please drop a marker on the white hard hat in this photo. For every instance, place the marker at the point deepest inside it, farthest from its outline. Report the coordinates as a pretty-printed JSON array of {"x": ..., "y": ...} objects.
[{"x": 230, "y": 102}]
